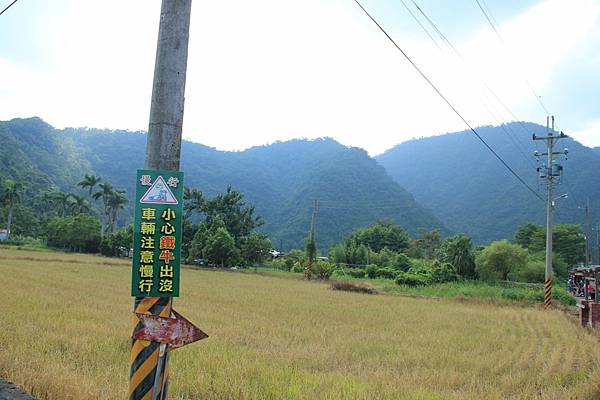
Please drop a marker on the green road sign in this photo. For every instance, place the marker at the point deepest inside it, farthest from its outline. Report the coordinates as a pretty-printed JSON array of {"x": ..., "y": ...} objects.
[{"x": 157, "y": 233}]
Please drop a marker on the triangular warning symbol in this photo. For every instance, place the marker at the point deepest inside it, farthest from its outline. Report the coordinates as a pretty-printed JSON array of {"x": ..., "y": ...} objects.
[{"x": 159, "y": 193}]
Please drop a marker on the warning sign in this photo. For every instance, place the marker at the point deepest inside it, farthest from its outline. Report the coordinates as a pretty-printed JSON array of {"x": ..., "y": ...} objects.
[
  {"x": 159, "y": 193},
  {"x": 157, "y": 233}
]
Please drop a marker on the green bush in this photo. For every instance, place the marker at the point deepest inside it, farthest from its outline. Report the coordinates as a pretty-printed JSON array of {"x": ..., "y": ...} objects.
[
  {"x": 371, "y": 271},
  {"x": 532, "y": 272},
  {"x": 387, "y": 273},
  {"x": 412, "y": 279},
  {"x": 356, "y": 272},
  {"x": 323, "y": 270},
  {"x": 298, "y": 267}
]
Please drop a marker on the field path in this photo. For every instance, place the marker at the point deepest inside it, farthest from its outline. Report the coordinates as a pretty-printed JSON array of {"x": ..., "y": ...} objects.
[{"x": 8, "y": 391}]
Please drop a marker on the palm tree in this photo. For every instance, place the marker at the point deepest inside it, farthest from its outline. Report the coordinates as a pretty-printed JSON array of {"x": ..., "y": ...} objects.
[
  {"x": 116, "y": 202},
  {"x": 10, "y": 196},
  {"x": 89, "y": 181},
  {"x": 60, "y": 201},
  {"x": 78, "y": 204},
  {"x": 105, "y": 193}
]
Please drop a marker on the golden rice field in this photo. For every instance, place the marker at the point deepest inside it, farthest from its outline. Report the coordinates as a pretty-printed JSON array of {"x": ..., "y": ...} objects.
[{"x": 65, "y": 324}]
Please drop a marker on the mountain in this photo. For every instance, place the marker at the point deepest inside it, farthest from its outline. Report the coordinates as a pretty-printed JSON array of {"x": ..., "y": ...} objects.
[
  {"x": 281, "y": 180},
  {"x": 466, "y": 187},
  {"x": 596, "y": 149}
]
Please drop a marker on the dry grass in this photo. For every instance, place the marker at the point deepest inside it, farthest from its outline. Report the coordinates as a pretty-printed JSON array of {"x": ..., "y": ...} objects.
[{"x": 65, "y": 329}]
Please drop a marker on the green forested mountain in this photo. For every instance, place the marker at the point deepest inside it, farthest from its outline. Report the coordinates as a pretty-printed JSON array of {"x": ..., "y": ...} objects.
[
  {"x": 281, "y": 179},
  {"x": 465, "y": 186}
]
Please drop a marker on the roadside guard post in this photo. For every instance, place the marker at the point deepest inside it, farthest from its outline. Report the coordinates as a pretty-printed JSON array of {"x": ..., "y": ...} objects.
[{"x": 155, "y": 281}]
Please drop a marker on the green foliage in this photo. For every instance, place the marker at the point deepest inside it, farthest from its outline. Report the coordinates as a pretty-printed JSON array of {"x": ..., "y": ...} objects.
[
  {"x": 323, "y": 270},
  {"x": 533, "y": 271},
  {"x": 411, "y": 279},
  {"x": 298, "y": 267},
  {"x": 525, "y": 235},
  {"x": 25, "y": 222},
  {"x": 118, "y": 243},
  {"x": 499, "y": 259},
  {"x": 386, "y": 273},
  {"x": 371, "y": 271},
  {"x": 428, "y": 242},
  {"x": 355, "y": 272},
  {"x": 220, "y": 248},
  {"x": 568, "y": 241},
  {"x": 255, "y": 248},
  {"x": 380, "y": 235},
  {"x": 458, "y": 252},
  {"x": 79, "y": 233}
]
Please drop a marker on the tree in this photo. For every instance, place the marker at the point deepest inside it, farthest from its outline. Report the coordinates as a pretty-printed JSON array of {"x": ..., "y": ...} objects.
[
  {"x": 105, "y": 192},
  {"x": 428, "y": 242},
  {"x": 10, "y": 196},
  {"x": 58, "y": 200},
  {"x": 568, "y": 241},
  {"x": 199, "y": 240},
  {"x": 526, "y": 234},
  {"x": 113, "y": 201},
  {"x": 458, "y": 252},
  {"x": 499, "y": 259},
  {"x": 380, "y": 235},
  {"x": 255, "y": 248},
  {"x": 89, "y": 181},
  {"x": 76, "y": 233},
  {"x": 116, "y": 201},
  {"x": 220, "y": 248},
  {"x": 78, "y": 205}
]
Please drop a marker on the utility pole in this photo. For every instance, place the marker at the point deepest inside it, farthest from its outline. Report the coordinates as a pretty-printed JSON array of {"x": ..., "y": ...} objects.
[
  {"x": 163, "y": 150},
  {"x": 588, "y": 253},
  {"x": 549, "y": 172},
  {"x": 598, "y": 242},
  {"x": 311, "y": 246}
]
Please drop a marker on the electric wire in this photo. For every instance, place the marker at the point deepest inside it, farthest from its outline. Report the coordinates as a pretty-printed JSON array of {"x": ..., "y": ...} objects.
[
  {"x": 490, "y": 19},
  {"x": 7, "y": 7},
  {"x": 441, "y": 95},
  {"x": 486, "y": 86}
]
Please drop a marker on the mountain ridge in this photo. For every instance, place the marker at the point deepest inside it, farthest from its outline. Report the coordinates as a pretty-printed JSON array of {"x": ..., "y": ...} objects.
[{"x": 281, "y": 179}]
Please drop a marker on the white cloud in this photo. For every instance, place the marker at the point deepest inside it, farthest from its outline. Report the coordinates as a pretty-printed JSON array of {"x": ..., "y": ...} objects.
[{"x": 276, "y": 69}]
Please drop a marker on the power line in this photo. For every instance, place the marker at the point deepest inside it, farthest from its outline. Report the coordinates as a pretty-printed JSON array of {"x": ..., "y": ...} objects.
[
  {"x": 448, "y": 102},
  {"x": 490, "y": 19},
  {"x": 485, "y": 85},
  {"x": 9, "y": 6},
  {"x": 420, "y": 24}
]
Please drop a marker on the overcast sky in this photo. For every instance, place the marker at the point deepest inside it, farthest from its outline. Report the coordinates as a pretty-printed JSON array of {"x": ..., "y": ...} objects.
[{"x": 267, "y": 70}]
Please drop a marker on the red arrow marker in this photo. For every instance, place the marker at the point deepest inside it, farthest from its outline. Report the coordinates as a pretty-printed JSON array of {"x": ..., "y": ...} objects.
[{"x": 176, "y": 332}]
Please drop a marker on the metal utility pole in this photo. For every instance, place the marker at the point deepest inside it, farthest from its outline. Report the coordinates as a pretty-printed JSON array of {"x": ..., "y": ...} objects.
[
  {"x": 162, "y": 152},
  {"x": 550, "y": 172}
]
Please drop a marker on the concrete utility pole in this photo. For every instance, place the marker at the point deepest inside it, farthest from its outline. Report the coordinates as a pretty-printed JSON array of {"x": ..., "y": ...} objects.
[
  {"x": 162, "y": 152},
  {"x": 588, "y": 253},
  {"x": 550, "y": 173},
  {"x": 311, "y": 240},
  {"x": 598, "y": 242}
]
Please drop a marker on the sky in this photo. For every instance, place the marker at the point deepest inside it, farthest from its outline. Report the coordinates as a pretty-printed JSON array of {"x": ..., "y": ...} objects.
[{"x": 270, "y": 70}]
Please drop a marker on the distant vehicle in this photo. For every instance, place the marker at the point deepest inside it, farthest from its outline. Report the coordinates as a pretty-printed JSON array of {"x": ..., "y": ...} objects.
[
  {"x": 323, "y": 258},
  {"x": 3, "y": 234},
  {"x": 200, "y": 261},
  {"x": 275, "y": 254}
]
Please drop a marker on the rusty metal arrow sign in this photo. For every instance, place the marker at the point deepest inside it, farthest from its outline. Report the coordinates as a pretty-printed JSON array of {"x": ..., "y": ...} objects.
[{"x": 175, "y": 332}]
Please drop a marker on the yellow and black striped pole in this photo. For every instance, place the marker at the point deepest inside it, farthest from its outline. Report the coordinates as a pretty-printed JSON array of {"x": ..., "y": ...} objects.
[
  {"x": 163, "y": 151},
  {"x": 144, "y": 354},
  {"x": 547, "y": 293}
]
